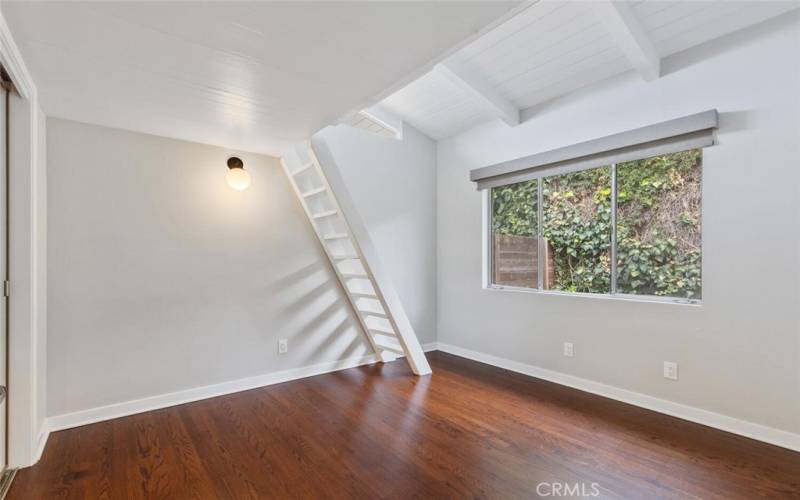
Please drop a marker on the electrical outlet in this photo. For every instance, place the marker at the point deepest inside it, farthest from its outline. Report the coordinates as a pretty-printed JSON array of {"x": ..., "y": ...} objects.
[
  {"x": 671, "y": 370},
  {"x": 283, "y": 346},
  {"x": 569, "y": 349}
]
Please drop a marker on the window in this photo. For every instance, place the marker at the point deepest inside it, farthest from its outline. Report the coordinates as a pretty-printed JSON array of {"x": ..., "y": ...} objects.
[
  {"x": 577, "y": 231},
  {"x": 629, "y": 228},
  {"x": 515, "y": 233},
  {"x": 658, "y": 225}
]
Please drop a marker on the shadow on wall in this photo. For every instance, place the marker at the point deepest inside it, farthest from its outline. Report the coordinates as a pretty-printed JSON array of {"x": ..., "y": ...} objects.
[
  {"x": 318, "y": 314},
  {"x": 735, "y": 121}
]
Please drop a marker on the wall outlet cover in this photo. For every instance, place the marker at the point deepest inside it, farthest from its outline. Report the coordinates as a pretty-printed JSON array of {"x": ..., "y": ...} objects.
[
  {"x": 283, "y": 346},
  {"x": 671, "y": 370},
  {"x": 569, "y": 349}
]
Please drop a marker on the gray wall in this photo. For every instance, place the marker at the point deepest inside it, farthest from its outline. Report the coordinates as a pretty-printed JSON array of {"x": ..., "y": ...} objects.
[
  {"x": 393, "y": 185},
  {"x": 161, "y": 278},
  {"x": 739, "y": 352}
]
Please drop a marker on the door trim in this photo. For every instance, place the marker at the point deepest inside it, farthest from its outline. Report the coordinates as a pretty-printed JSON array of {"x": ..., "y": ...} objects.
[{"x": 27, "y": 432}]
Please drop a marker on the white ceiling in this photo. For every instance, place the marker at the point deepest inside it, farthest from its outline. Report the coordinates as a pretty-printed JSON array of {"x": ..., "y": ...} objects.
[
  {"x": 250, "y": 76},
  {"x": 555, "y": 47}
]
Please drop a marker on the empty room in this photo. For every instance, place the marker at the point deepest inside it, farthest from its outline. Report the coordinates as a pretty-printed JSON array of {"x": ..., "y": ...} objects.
[{"x": 400, "y": 249}]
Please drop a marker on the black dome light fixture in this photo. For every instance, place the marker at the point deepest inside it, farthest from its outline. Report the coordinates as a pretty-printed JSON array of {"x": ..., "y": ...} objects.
[{"x": 237, "y": 177}]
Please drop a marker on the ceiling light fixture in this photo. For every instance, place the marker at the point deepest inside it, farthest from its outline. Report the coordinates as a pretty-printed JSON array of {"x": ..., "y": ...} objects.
[{"x": 237, "y": 177}]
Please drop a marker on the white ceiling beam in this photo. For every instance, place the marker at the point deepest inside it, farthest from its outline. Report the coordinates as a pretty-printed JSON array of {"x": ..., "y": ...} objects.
[
  {"x": 480, "y": 91},
  {"x": 629, "y": 35}
]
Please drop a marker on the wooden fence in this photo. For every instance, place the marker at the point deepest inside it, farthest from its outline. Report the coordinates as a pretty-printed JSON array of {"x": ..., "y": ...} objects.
[{"x": 515, "y": 260}]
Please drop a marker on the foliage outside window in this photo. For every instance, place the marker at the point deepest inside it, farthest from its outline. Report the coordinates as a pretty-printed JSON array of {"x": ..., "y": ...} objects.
[{"x": 658, "y": 227}]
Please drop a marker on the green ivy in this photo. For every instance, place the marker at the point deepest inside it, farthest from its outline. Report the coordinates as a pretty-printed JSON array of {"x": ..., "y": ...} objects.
[{"x": 515, "y": 209}]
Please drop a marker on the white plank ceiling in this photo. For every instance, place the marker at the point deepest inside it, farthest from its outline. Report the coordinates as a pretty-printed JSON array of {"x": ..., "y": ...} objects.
[
  {"x": 253, "y": 76},
  {"x": 552, "y": 48}
]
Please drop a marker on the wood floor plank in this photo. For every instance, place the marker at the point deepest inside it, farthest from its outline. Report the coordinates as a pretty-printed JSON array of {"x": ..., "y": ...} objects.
[{"x": 467, "y": 431}]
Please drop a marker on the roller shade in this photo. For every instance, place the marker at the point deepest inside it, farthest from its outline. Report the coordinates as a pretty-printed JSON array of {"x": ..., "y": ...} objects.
[{"x": 680, "y": 134}]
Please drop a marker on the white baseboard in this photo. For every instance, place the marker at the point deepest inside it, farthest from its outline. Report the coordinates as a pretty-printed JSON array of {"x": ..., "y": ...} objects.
[
  {"x": 430, "y": 346},
  {"x": 99, "y": 414},
  {"x": 730, "y": 424},
  {"x": 751, "y": 430}
]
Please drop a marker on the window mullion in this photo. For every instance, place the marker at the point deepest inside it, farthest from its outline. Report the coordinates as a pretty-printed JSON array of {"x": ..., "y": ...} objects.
[
  {"x": 540, "y": 255},
  {"x": 488, "y": 238},
  {"x": 613, "y": 228}
]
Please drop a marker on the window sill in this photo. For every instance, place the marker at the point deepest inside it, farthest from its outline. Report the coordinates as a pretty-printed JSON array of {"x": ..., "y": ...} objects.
[{"x": 650, "y": 299}]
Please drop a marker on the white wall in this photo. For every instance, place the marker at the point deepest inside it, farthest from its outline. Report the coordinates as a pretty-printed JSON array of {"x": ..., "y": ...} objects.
[
  {"x": 739, "y": 352},
  {"x": 392, "y": 183},
  {"x": 162, "y": 279}
]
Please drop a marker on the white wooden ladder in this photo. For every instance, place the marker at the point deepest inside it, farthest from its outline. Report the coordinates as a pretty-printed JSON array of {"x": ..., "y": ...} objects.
[{"x": 353, "y": 258}]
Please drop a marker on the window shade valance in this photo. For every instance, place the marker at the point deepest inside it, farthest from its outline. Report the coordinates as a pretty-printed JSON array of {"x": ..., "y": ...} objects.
[{"x": 688, "y": 132}]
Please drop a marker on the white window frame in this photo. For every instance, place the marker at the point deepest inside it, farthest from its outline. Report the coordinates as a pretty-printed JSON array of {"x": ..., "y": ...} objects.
[{"x": 488, "y": 250}]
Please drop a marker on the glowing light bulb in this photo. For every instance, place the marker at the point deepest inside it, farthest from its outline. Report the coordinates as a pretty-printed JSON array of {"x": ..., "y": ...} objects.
[{"x": 237, "y": 177}]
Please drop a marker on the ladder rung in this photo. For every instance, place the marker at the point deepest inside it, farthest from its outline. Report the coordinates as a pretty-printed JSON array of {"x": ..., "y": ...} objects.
[
  {"x": 367, "y": 295},
  {"x": 384, "y": 342},
  {"x": 379, "y": 332},
  {"x": 381, "y": 343},
  {"x": 314, "y": 191},
  {"x": 381, "y": 329},
  {"x": 346, "y": 256},
  {"x": 395, "y": 350},
  {"x": 354, "y": 275},
  {"x": 322, "y": 215},
  {"x": 303, "y": 168},
  {"x": 336, "y": 236},
  {"x": 373, "y": 313}
]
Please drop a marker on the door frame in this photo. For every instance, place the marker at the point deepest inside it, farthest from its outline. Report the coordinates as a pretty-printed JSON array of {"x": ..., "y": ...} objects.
[{"x": 27, "y": 429}]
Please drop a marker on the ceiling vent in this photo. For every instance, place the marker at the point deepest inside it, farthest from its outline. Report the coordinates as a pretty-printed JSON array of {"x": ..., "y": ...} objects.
[{"x": 377, "y": 121}]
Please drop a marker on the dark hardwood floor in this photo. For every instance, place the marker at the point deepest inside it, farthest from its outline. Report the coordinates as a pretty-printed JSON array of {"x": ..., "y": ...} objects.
[{"x": 467, "y": 431}]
